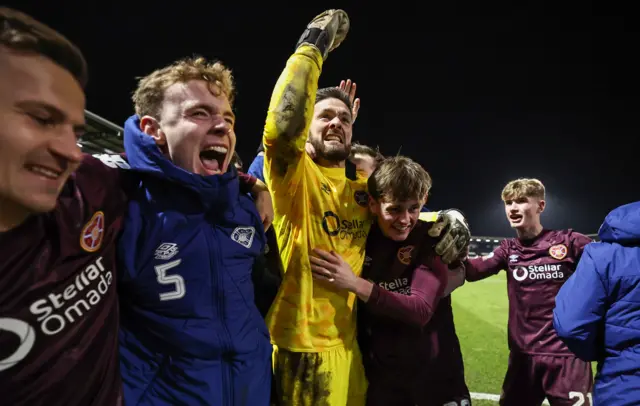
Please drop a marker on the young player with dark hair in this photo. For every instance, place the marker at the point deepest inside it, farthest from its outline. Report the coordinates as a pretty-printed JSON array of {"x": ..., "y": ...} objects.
[{"x": 408, "y": 341}]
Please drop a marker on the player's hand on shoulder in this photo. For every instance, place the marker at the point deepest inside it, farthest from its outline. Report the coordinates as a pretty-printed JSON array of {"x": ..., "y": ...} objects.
[
  {"x": 263, "y": 203},
  {"x": 453, "y": 233}
]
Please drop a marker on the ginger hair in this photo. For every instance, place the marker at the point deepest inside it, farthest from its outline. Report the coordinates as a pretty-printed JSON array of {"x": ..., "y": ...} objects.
[{"x": 149, "y": 95}]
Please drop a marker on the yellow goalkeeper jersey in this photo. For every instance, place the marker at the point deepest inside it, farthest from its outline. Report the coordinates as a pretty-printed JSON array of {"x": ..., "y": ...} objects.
[{"x": 315, "y": 207}]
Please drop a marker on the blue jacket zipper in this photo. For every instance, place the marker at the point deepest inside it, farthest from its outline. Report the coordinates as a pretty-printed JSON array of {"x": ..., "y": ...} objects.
[{"x": 216, "y": 264}]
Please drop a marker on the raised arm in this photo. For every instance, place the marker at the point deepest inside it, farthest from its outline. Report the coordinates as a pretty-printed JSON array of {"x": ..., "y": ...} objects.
[{"x": 291, "y": 107}]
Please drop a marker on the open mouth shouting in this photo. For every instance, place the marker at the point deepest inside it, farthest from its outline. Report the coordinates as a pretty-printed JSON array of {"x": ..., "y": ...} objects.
[
  {"x": 333, "y": 137},
  {"x": 213, "y": 158},
  {"x": 515, "y": 218}
]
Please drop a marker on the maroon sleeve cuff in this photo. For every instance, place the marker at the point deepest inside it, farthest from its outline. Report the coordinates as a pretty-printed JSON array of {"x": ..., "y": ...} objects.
[{"x": 247, "y": 182}]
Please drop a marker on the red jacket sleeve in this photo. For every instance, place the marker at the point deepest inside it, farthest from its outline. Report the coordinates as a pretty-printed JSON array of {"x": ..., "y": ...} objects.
[{"x": 427, "y": 285}]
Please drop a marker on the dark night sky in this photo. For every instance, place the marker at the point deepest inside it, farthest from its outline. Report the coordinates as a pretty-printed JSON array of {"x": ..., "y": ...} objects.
[{"x": 478, "y": 92}]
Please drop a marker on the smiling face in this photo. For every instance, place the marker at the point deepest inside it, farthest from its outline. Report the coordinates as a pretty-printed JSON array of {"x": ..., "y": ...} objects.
[
  {"x": 196, "y": 128},
  {"x": 42, "y": 114},
  {"x": 396, "y": 219},
  {"x": 398, "y": 189}
]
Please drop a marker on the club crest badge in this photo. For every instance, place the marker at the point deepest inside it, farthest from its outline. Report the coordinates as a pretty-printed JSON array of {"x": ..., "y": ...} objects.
[
  {"x": 361, "y": 197},
  {"x": 404, "y": 254},
  {"x": 558, "y": 251},
  {"x": 93, "y": 233}
]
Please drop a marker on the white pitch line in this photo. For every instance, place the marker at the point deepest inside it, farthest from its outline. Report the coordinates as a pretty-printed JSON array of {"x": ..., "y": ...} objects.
[{"x": 490, "y": 396}]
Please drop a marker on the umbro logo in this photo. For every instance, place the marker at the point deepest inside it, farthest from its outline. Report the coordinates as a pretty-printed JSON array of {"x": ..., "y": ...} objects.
[{"x": 166, "y": 251}]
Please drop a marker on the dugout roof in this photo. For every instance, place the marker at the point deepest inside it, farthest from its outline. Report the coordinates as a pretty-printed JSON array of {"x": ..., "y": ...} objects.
[{"x": 102, "y": 136}]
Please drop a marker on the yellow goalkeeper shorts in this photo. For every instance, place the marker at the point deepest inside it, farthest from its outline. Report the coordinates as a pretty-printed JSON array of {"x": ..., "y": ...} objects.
[{"x": 330, "y": 378}]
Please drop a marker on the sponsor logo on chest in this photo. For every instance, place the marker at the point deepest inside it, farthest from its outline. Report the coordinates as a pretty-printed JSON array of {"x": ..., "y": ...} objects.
[
  {"x": 57, "y": 311},
  {"x": 398, "y": 285},
  {"x": 60, "y": 309},
  {"x": 343, "y": 229},
  {"x": 538, "y": 272},
  {"x": 533, "y": 270}
]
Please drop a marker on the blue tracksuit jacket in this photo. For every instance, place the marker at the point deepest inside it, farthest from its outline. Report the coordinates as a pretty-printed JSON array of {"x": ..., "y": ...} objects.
[
  {"x": 190, "y": 331},
  {"x": 597, "y": 310}
]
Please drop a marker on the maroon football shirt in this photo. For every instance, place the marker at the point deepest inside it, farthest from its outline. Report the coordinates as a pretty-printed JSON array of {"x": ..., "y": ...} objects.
[
  {"x": 408, "y": 283},
  {"x": 536, "y": 269},
  {"x": 58, "y": 303}
]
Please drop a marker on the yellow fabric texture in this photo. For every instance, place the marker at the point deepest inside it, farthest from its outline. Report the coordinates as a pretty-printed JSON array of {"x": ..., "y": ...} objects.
[
  {"x": 315, "y": 207},
  {"x": 334, "y": 377}
]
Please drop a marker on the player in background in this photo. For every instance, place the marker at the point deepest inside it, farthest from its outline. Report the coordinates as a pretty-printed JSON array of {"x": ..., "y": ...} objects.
[
  {"x": 597, "y": 309},
  {"x": 60, "y": 214},
  {"x": 315, "y": 205},
  {"x": 401, "y": 285},
  {"x": 537, "y": 263},
  {"x": 190, "y": 331}
]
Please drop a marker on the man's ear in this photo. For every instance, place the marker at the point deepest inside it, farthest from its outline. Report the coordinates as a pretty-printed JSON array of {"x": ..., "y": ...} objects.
[{"x": 151, "y": 127}]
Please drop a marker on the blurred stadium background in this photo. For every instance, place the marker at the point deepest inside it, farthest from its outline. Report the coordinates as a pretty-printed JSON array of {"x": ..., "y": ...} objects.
[{"x": 480, "y": 308}]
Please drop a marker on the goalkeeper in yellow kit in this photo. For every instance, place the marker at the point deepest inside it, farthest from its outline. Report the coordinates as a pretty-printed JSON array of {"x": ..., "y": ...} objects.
[{"x": 316, "y": 357}]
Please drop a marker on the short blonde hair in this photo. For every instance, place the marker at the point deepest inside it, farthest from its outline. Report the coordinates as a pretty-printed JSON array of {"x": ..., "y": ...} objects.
[
  {"x": 399, "y": 178},
  {"x": 149, "y": 95},
  {"x": 523, "y": 187}
]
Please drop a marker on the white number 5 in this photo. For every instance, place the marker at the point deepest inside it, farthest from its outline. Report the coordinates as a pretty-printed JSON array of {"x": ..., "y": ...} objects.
[
  {"x": 580, "y": 397},
  {"x": 177, "y": 280}
]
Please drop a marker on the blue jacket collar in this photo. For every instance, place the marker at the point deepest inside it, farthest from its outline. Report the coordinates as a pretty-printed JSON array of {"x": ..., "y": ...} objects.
[{"x": 144, "y": 156}]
